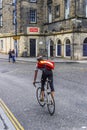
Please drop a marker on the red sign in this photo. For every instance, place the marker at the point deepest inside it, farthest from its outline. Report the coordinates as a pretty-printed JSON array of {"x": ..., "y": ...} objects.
[{"x": 33, "y": 29}]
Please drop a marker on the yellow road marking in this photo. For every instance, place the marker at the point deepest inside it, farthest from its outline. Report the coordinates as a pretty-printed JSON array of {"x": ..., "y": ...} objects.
[{"x": 14, "y": 121}]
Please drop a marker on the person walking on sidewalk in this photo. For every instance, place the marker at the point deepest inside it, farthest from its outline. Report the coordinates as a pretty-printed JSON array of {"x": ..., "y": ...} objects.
[
  {"x": 13, "y": 56},
  {"x": 10, "y": 55}
]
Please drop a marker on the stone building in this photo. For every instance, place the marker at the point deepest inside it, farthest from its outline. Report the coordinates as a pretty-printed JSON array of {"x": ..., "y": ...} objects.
[{"x": 54, "y": 28}]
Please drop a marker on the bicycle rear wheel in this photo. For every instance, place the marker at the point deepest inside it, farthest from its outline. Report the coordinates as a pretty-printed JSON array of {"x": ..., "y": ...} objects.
[
  {"x": 51, "y": 104},
  {"x": 38, "y": 95}
]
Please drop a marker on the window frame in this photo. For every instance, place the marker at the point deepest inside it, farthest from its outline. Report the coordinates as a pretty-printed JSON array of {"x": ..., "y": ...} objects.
[
  {"x": 1, "y": 45},
  {"x": 49, "y": 8},
  {"x": 0, "y": 4},
  {"x": 57, "y": 11},
  {"x": 34, "y": 16},
  {"x": 67, "y": 9},
  {"x": 1, "y": 23},
  {"x": 33, "y": 1},
  {"x": 86, "y": 8},
  {"x": 14, "y": 22}
]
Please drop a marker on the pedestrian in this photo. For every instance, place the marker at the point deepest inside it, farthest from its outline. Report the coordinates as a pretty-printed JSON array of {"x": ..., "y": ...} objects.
[
  {"x": 13, "y": 56},
  {"x": 10, "y": 55}
]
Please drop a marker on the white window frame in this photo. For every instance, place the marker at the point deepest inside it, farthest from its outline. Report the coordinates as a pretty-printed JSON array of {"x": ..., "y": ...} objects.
[
  {"x": 0, "y": 20},
  {"x": 1, "y": 45},
  {"x": 33, "y": 16},
  {"x": 33, "y": 1},
  {"x": 67, "y": 9},
  {"x": 14, "y": 21},
  {"x": 57, "y": 11},
  {"x": 0, "y": 4},
  {"x": 49, "y": 14},
  {"x": 86, "y": 8}
]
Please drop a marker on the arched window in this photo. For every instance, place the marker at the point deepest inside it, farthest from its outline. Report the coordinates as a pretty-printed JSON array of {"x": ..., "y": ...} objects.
[
  {"x": 59, "y": 48},
  {"x": 68, "y": 48},
  {"x": 85, "y": 47}
]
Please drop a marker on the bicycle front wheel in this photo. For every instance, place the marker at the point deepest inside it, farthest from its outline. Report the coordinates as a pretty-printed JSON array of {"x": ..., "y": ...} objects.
[
  {"x": 38, "y": 95},
  {"x": 51, "y": 104}
]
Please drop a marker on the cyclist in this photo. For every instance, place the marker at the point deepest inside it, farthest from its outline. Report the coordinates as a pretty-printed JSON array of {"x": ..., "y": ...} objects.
[{"x": 46, "y": 66}]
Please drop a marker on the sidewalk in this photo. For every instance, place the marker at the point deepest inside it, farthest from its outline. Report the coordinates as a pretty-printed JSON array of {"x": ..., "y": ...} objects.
[{"x": 29, "y": 59}]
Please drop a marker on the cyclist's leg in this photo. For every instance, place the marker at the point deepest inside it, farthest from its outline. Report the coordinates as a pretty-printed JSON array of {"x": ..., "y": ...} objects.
[
  {"x": 50, "y": 77},
  {"x": 43, "y": 79},
  {"x": 51, "y": 101}
]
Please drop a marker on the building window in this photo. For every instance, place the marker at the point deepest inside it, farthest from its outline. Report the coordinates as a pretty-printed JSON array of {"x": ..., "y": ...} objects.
[
  {"x": 13, "y": 1},
  {"x": 68, "y": 48},
  {"x": 1, "y": 44},
  {"x": 14, "y": 17},
  {"x": 0, "y": 4},
  {"x": 67, "y": 8},
  {"x": 77, "y": 7},
  {"x": 33, "y": 1},
  {"x": 57, "y": 11},
  {"x": 49, "y": 1},
  {"x": 86, "y": 8},
  {"x": 49, "y": 14},
  {"x": 85, "y": 48},
  {"x": 33, "y": 14},
  {"x": 0, "y": 20},
  {"x": 59, "y": 48}
]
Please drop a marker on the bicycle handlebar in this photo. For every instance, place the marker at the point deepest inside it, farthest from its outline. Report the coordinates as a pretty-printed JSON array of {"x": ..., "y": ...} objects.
[
  {"x": 40, "y": 82},
  {"x": 36, "y": 83}
]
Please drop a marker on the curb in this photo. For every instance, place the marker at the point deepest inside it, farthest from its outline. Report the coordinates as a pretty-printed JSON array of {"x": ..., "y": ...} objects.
[
  {"x": 34, "y": 61},
  {"x": 56, "y": 61}
]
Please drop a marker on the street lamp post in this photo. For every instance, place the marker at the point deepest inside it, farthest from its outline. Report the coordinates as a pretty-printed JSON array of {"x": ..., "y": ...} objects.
[{"x": 15, "y": 23}]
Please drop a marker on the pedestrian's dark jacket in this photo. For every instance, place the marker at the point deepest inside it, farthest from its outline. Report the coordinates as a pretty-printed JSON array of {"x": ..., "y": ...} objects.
[{"x": 10, "y": 54}]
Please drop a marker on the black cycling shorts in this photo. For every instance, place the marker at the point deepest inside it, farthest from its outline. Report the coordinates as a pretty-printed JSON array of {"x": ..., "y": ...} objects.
[{"x": 47, "y": 74}]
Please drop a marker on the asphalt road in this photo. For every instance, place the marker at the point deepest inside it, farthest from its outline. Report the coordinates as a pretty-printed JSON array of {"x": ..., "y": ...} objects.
[{"x": 18, "y": 93}]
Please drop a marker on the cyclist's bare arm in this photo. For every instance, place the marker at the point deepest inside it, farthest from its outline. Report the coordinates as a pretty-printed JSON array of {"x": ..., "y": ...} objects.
[{"x": 35, "y": 76}]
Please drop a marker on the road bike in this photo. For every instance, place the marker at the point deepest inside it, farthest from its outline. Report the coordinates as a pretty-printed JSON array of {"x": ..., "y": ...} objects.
[{"x": 48, "y": 99}]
